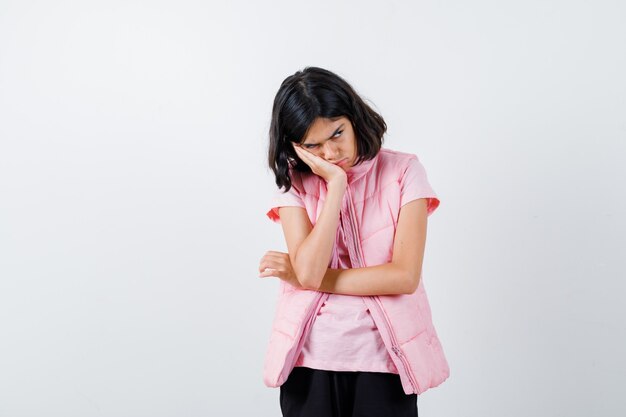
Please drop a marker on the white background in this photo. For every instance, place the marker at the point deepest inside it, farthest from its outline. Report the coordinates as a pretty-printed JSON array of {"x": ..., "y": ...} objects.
[{"x": 134, "y": 186}]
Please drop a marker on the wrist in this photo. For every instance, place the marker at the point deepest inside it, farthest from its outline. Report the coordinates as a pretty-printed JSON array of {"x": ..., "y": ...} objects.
[{"x": 338, "y": 182}]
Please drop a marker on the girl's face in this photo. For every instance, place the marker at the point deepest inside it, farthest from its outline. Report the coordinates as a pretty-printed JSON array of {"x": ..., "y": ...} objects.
[{"x": 333, "y": 140}]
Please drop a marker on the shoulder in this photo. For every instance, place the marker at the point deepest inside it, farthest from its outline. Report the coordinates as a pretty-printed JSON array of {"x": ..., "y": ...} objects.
[
  {"x": 305, "y": 183},
  {"x": 393, "y": 160}
]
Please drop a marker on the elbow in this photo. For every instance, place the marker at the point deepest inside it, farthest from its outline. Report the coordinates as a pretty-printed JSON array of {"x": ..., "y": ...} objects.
[
  {"x": 412, "y": 280},
  {"x": 307, "y": 276},
  {"x": 407, "y": 278},
  {"x": 310, "y": 283}
]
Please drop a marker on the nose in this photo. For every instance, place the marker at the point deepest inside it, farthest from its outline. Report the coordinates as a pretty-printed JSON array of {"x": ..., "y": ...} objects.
[{"x": 331, "y": 151}]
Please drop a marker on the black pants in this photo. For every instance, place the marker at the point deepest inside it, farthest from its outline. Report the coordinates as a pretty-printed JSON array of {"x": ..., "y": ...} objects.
[{"x": 317, "y": 393}]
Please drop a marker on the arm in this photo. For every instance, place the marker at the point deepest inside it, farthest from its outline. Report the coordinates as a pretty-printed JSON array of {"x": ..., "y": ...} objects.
[
  {"x": 310, "y": 248},
  {"x": 402, "y": 274}
]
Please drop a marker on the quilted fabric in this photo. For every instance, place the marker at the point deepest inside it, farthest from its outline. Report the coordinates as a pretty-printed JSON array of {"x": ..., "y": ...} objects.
[{"x": 376, "y": 191}]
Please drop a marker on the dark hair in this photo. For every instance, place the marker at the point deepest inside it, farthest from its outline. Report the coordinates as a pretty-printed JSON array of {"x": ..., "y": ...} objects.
[{"x": 306, "y": 95}]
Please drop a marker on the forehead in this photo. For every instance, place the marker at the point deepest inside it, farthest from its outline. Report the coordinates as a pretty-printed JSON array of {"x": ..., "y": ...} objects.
[{"x": 322, "y": 128}]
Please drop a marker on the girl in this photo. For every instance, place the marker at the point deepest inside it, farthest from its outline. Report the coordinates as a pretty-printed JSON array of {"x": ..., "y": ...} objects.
[{"x": 352, "y": 333}]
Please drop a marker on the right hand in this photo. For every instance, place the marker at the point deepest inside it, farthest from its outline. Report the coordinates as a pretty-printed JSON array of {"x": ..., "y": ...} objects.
[{"x": 320, "y": 166}]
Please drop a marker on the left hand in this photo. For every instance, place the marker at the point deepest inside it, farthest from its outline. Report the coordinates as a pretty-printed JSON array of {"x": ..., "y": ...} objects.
[{"x": 278, "y": 264}]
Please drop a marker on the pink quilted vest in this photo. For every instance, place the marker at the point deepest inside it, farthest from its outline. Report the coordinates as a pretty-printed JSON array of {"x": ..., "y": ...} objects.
[{"x": 376, "y": 190}]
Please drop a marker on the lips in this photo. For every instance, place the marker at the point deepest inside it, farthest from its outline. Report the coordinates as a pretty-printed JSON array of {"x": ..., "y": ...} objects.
[{"x": 342, "y": 162}]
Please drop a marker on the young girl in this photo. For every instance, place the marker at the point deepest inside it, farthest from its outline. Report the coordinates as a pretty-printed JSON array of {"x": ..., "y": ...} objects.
[{"x": 352, "y": 333}]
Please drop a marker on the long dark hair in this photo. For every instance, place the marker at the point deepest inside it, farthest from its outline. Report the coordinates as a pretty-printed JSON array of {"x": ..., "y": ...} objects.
[{"x": 306, "y": 95}]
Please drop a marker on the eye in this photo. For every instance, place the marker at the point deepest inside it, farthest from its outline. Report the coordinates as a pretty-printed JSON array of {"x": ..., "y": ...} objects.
[
  {"x": 310, "y": 146},
  {"x": 339, "y": 132}
]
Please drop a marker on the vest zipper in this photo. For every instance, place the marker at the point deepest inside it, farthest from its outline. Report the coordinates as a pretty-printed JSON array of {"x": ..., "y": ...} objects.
[{"x": 395, "y": 348}]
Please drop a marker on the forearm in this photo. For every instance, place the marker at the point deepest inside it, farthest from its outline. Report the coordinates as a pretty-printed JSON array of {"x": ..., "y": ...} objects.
[
  {"x": 314, "y": 253},
  {"x": 385, "y": 279}
]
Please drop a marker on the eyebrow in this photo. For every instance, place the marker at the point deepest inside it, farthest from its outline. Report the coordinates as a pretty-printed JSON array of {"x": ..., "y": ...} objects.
[{"x": 334, "y": 133}]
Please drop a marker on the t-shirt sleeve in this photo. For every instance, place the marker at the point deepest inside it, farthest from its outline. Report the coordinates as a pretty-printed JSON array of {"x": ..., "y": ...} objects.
[
  {"x": 284, "y": 199},
  {"x": 414, "y": 185}
]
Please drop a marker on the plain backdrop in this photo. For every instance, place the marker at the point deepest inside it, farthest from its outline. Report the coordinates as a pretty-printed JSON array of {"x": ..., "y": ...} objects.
[{"x": 134, "y": 186}]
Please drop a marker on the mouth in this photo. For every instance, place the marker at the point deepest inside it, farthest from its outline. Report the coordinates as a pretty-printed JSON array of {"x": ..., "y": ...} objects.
[{"x": 342, "y": 162}]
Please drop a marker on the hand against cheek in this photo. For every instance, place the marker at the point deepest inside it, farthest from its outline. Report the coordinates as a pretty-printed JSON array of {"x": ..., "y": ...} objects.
[
  {"x": 320, "y": 166},
  {"x": 278, "y": 264}
]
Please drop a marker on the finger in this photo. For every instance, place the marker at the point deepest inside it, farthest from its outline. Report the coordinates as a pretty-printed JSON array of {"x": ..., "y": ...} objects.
[
  {"x": 278, "y": 261},
  {"x": 272, "y": 273},
  {"x": 312, "y": 160},
  {"x": 268, "y": 273},
  {"x": 271, "y": 257},
  {"x": 303, "y": 153},
  {"x": 309, "y": 161},
  {"x": 274, "y": 252},
  {"x": 281, "y": 259},
  {"x": 304, "y": 157},
  {"x": 270, "y": 254},
  {"x": 266, "y": 264},
  {"x": 308, "y": 155},
  {"x": 277, "y": 255}
]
